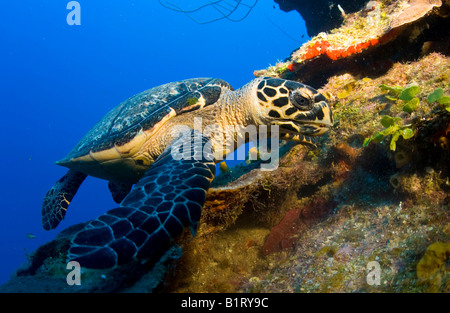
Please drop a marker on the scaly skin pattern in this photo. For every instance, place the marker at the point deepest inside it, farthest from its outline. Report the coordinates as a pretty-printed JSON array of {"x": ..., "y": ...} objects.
[
  {"x": 167, "y": 199},
  {"x": 300, "y": 111},
  {"x": 58, "y": 198}
]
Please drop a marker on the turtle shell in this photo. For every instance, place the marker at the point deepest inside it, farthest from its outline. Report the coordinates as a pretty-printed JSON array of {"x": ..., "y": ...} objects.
[{"x": 142, "y": 111}]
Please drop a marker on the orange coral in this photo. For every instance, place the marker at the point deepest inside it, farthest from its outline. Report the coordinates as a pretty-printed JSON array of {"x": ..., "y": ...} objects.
[
  {"x": 292, "y": 67},
  {"x": 318, "y": 48},
  {"x": 323, "y": 47}
]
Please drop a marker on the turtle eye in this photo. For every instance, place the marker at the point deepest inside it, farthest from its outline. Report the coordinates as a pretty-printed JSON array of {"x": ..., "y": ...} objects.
[{"x": 301, "y": 100}]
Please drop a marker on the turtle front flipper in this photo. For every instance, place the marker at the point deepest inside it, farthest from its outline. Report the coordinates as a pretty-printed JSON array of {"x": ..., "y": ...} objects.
[
  {"x": 167, "y": 199},
  {"x": 58, "y": 198},
  {"x": 119, "y": 190}
]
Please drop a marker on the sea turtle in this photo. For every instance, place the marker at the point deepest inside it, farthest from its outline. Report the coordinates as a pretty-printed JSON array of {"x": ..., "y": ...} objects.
[{"x": 160, "y": 166}]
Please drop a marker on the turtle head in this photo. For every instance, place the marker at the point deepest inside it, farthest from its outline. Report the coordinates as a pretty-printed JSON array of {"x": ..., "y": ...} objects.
[{"x": 300, "y": 111}]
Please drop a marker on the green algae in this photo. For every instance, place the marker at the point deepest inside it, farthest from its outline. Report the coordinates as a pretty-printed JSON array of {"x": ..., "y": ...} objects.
[
  {"x": 435, "y": 95},
  {"x": 409, "y": 93},
  {"x": 393, "y": 127}
]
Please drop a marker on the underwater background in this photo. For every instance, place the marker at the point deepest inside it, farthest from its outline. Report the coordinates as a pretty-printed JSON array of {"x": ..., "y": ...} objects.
[
  {"x": 57, "y": 80},
  {"x": 365, "y": 210}
]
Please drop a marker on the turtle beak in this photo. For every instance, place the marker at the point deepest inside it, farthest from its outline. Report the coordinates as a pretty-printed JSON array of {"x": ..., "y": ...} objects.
[{"x": 315, "y": 122}]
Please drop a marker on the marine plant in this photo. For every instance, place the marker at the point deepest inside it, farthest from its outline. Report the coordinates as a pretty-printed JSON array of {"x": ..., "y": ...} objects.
[
  {"x": 438, "y": 96},
  {"x": 407, "y": 95},
  {"x": 432, "y": 269},
  {"x": 393, "y": 126},
  {"x": 282, "y": 68}
]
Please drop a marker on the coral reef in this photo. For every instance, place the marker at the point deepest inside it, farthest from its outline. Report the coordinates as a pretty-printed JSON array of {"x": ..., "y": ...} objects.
[
  {"x": 369, "y": 41},
  {"x": 47, "y": 271},
  {"x": 294, "y": 223},
  {"x": 333, "y": 256},
  {"x": 352, "y": 203},
  {"x": 432, "y": 268}
]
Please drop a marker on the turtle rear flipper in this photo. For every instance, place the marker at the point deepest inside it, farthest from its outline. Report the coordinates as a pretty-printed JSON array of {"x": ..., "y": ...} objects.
[
  {"x": 166, "y": 200},
  {"x": 58, "y": 198},
  {"x": 119, "y": 190}
]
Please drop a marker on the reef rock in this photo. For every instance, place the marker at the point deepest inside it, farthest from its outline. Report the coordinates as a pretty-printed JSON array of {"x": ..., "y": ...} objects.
[{"x": 370, "y": 41}]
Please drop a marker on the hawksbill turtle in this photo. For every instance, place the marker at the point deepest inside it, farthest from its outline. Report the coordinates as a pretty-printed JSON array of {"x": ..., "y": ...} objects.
[{"x": 161, "y": 192}]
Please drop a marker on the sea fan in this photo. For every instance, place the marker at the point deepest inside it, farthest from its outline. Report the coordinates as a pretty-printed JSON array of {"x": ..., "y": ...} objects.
[{"x": 207, "y": 11}]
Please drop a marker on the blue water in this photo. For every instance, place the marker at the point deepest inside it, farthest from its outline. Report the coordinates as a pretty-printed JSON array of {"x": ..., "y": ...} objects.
[{"x": 57, "y": 81}]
